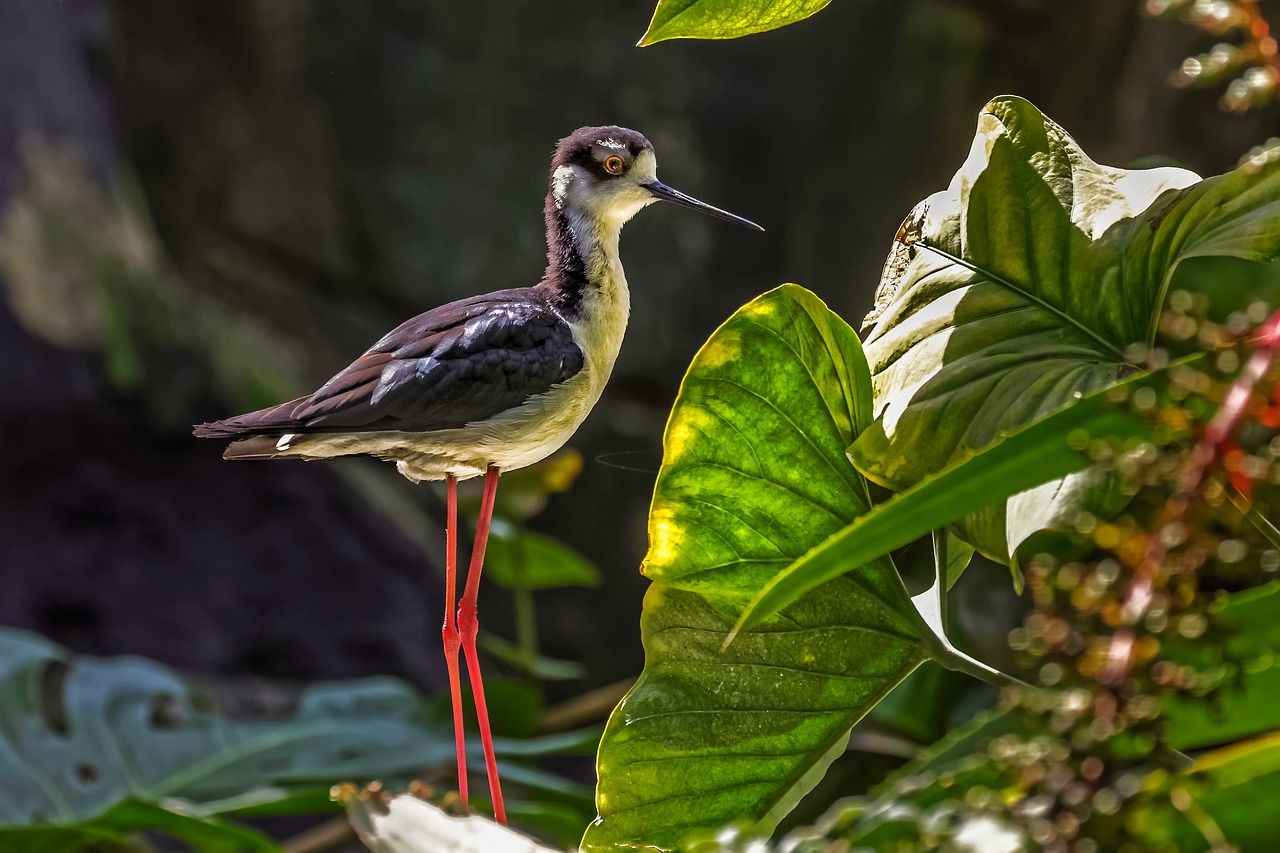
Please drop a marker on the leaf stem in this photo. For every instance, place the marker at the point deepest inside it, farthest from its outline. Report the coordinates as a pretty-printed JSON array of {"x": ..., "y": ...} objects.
[
  {"x": 931, "y": 605},
  {"x": 957, "y": 661}
]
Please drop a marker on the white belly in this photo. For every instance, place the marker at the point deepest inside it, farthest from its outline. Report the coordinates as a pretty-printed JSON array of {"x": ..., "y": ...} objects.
[{"x": 518, "y": 437}]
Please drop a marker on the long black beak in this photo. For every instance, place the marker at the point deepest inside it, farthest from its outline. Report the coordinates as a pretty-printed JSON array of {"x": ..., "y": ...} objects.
[{"x": 664, "y": 192}]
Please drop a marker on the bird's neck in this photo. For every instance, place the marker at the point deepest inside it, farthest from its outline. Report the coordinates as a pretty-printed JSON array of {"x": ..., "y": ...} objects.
[{"x": 583, "y": 267}]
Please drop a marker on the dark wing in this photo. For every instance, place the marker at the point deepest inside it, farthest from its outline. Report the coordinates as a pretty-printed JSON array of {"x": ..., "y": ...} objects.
[{"x": 457, "y": 364}]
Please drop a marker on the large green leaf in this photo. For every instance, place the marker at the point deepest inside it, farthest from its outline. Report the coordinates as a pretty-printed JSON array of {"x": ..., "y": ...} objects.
[
  {"x": 1023, "y": 286},
  {"x": 95, "y": 747},
  {"x": 724, "y": 19},
  {"x": 1049, "y": 449},
  {"x": 754, "y": 475}
]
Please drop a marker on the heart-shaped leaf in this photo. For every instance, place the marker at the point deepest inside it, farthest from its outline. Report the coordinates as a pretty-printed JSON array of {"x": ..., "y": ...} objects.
[
  {"x": 724, "y": 19},
  {"x": 754, "y": 475},
  {"x": 1022, "y": 287}
]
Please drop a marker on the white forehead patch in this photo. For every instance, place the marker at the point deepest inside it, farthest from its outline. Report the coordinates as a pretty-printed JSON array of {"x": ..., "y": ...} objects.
[
  {"x": 612, "y": 143},
  {"x": 560, "y": 180}
]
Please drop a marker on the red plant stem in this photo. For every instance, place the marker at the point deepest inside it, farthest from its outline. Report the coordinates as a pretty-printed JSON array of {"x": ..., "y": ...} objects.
[{"x": 1234, "y": 406}]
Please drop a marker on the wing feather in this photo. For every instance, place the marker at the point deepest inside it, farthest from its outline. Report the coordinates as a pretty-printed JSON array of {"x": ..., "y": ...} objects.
[{"x": 458, "y": 364}]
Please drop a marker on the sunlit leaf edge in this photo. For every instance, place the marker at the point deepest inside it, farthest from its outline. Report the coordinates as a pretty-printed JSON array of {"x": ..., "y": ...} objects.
[{"x": 664, "y": 25}]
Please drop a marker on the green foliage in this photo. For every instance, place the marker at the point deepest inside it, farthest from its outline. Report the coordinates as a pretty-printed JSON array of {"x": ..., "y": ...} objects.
[
  {"x": 1036, "y": 277},
  {"x": 1232, "y": 792},
  {"x": 724, "y": 19},
  {"x": 1015, "y": 394},
  {"x": 754, "y": 476},
  {"x": 1045, "y": 451},
  {"x": 97, "y": 749},
  {"x": 1244, "y": 668},
  {"x": 526, "y": 560}
]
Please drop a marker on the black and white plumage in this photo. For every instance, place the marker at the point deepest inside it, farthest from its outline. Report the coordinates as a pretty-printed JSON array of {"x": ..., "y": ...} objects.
[
  {"x": 500, "y": 380},
  {"x": 489, "y": 383},
  {"x": 453, "y": 371}
]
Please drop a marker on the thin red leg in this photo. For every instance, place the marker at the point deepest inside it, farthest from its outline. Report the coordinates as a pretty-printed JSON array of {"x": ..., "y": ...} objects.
[
  {"x": 468, "y": 626},
  {"x": 452, "y": 639}
]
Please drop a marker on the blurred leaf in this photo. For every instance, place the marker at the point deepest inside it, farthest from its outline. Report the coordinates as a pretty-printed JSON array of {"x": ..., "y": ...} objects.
[
  {"x": 1232, "y": 792},
  {"x": 525, "y": 491},
  {"x": 960, "y": 746},
  {"x": 1248, "y": 703},
  {"x": 724, "y": 19},
  {"x": 118, "y": 744},
  {"x": 206, "y": 834},
  {"x": 754, "y": 475},
  {"x": 59, "y": 839},
  {"x": 514, "y": 707},
  {"x": 540, "y": 667},
  {"x": 1227, "y": 284},
  {"x": 1021, "y": 287},
  {"x": 923, "y": 805},
  {"x": 920, "y": 707},
  {"x": 522, "y": 559},
  {"x": 558, "y": 823},
  {"x": 576, "y": 742},
  {"x": 1045, "y": 450}
]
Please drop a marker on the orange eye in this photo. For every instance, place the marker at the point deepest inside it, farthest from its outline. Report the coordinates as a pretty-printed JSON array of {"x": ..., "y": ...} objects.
[{"x": 614, "y": 165}]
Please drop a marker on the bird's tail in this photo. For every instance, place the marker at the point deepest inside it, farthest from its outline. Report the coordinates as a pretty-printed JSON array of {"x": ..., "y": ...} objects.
[
  {"x": 255, "y": 435},
  {"x": 276, "y": 420},
  {"x": 254, "y": 447}
]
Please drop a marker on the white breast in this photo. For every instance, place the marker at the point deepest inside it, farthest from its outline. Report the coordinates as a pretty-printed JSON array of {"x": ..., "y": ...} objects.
[{"x": 521, "y": 436}]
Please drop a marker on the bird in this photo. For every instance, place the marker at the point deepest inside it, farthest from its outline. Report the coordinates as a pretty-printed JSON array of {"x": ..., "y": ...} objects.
[{"x": 488, "y": 383}]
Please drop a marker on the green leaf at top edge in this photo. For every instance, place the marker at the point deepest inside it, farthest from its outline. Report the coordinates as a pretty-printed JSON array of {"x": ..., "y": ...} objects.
[{"x": 724, "y": 19}]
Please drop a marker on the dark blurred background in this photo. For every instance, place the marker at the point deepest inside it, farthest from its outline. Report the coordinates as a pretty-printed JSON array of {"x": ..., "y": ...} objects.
[{"x": 211, "y": 206}]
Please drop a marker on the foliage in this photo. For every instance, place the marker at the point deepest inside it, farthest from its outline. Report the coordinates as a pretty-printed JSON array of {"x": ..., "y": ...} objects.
[
  {"x": 94, "y": 750},
  {"x": 1021, "y": 345},
  {"x": 724, "y": 19},
  {"x": 748, "y": 485},
  {"x": 1038, "y": 387}
]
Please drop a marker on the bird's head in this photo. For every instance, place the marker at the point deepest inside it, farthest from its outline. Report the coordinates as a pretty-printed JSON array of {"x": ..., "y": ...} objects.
[{"x": 608, "y": 174}]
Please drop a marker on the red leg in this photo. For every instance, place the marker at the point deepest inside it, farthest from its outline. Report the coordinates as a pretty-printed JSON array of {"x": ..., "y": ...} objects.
[
  {"x": 468, "y": 627},
  {"x": 452, "y": 639}
]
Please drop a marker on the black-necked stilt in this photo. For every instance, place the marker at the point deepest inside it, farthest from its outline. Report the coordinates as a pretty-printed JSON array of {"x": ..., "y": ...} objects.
[{"x": 489, "y": 383}]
